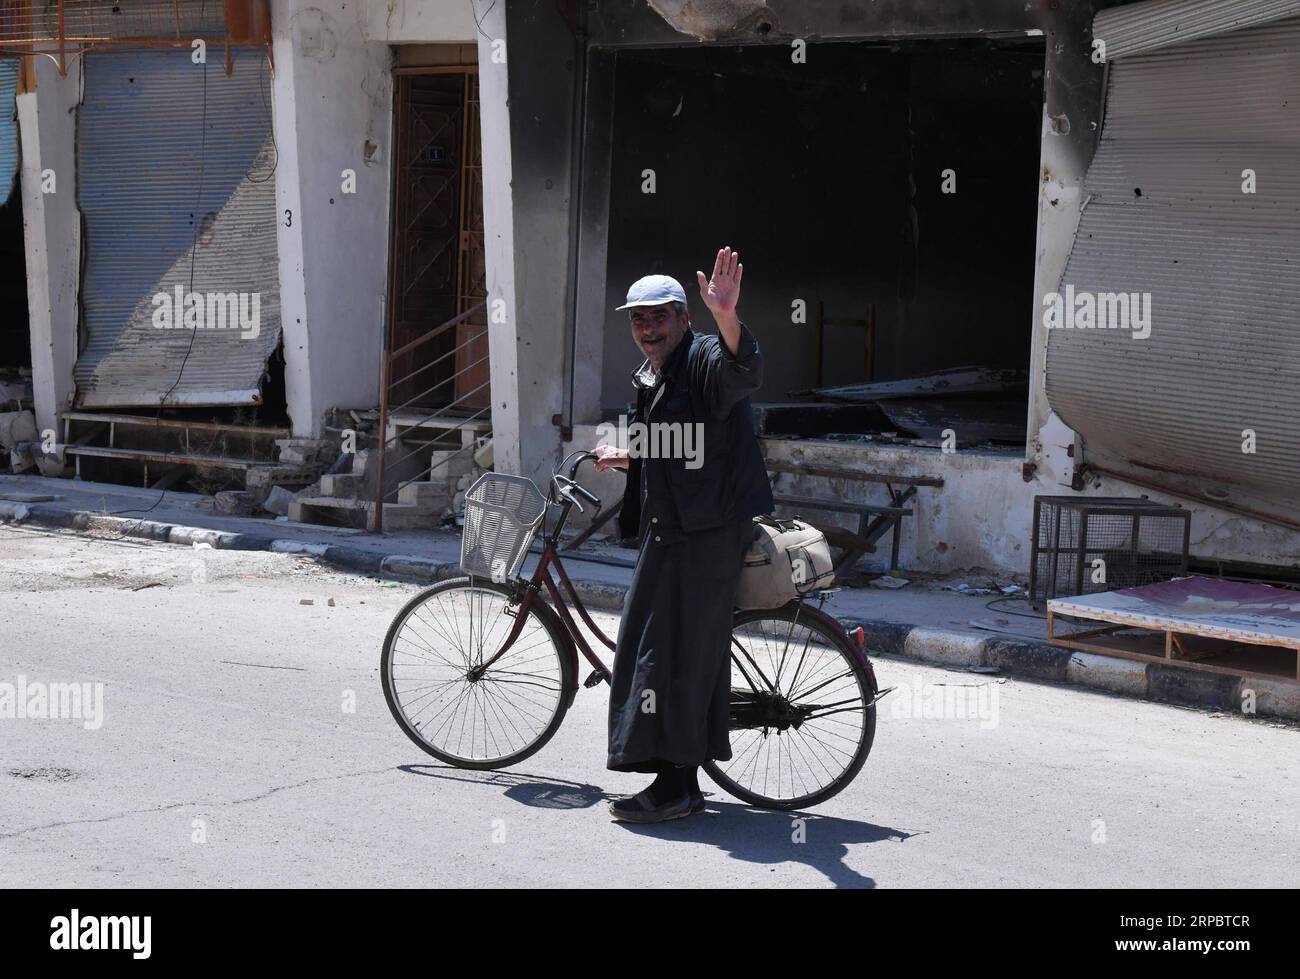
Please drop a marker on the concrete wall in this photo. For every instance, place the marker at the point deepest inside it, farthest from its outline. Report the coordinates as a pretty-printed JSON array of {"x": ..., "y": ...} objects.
[
  {"x": 52, "y": 233},
  {"x": 527, "y": 102},
  {"x": 429, "y": 21},
  {"x": 332, "y": 103},
  {"x": 980, "y": 518}
]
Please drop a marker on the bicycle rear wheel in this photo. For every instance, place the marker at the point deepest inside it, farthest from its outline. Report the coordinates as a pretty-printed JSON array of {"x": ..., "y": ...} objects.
[
  {"x": 452, "y": 698},
  {"x": 803, "y": 716}
]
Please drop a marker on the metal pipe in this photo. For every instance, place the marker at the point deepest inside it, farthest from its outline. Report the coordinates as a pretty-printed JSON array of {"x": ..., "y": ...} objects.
[
  {"x": 436, "y": 331},
  {"x": 410, "y": 401}
]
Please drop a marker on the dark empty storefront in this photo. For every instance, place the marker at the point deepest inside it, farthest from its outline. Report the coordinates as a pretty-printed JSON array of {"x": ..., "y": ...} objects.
[{"x": 887, "y": 183}]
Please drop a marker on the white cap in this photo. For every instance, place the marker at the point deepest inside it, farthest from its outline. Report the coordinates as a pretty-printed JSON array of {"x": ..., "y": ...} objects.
[{"x": 654, "y": 290}]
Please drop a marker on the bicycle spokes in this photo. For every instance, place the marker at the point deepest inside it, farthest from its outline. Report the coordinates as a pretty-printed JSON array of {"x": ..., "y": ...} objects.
[
  {"x": 453, "y": 688},
  {"x": 798, "y": 709}
]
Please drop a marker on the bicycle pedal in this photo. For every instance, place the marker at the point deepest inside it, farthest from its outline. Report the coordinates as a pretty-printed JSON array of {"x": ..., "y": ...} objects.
[{"x": 597, "y": 677}]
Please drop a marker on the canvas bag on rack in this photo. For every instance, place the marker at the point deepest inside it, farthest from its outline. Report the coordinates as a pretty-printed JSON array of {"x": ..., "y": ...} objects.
[{"x": 787, "y": 558}]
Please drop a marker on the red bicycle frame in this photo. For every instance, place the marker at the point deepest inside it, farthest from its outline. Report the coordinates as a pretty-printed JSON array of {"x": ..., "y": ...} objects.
[{"x": 559, "y": 607}]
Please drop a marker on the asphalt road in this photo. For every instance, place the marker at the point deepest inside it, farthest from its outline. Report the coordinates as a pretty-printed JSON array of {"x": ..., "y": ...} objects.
[{"x": 227, "y": 756}]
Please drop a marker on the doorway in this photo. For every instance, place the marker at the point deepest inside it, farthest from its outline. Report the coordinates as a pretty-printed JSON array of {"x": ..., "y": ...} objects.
[
  {"x": 888, "y": 191},
  {"x": 438, "y": 270}
]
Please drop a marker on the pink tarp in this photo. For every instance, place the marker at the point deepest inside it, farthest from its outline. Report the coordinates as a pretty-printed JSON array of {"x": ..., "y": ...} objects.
[{"x": 1197, "y": 606}]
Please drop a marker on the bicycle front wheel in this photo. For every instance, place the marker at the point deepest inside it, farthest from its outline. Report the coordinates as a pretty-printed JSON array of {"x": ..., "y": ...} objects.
[
  {"x": 803, "y": 715},
  {"x": 451, "y": 693}
]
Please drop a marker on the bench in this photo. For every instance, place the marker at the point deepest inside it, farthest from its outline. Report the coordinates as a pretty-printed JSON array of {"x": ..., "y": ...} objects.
[{"x": 874, "y": 520}]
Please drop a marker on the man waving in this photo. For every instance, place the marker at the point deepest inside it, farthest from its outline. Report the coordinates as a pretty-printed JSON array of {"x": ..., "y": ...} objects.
[{"x": 672, "y": 676}]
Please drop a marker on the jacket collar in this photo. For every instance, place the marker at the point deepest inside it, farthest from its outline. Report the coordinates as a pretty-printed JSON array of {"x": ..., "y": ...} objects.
[{"x": 646, "y": 376}]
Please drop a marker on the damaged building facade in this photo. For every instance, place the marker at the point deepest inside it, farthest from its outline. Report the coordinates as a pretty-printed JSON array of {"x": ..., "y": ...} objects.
[
  {"x": 910, "y": 186},
  {"x": 923, "y": 178}
]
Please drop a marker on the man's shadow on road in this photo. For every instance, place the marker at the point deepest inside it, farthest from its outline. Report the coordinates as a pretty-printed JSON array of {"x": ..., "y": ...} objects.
[{"x": 757, "y": 836}]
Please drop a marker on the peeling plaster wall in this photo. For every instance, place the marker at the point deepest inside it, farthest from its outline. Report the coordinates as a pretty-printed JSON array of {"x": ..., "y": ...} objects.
[
  {"x": 332, "y": 99},
  {"x": 980, "y": 518},
  {"x": 425, "y": 21}
]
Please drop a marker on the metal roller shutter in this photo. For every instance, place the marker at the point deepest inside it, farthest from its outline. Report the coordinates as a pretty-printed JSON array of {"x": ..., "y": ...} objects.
[
  {"x": 8, "y": 127},
  {"x": 1142, "y": 27},
  {"x": 1165, "y": 214},
  {"x": 169, "y": 151}
]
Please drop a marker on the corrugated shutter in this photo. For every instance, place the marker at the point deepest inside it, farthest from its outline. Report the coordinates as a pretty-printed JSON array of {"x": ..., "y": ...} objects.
[
  {"x": 1166, "y": 215},
  {"x": 162, "y": 151},
  {"x": 1142, "y": 27},
  {"x": 8, "y": 127}
]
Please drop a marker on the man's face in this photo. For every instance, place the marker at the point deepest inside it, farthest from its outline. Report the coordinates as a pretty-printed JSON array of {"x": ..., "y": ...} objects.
[{"x": 657, "y": 330}]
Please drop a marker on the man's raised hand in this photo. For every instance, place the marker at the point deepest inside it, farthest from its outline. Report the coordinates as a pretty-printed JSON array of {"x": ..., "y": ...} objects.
[{"x": 721, "y": 293}]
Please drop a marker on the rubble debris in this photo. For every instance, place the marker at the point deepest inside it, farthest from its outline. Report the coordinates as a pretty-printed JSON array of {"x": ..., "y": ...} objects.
[
  {"x": 17, "y": 431},
  {"x": 890, "y": 582},
  {"x": 967, "y": 589},
  {"x": 978, "y": 404},
  {"x": 972, "y": 420},
  {"x": 277, "y": 501},
  {"x": 957, "y": 380},
  {"x": 237, "y": 503},
  {"x": 816, "y": 418}
]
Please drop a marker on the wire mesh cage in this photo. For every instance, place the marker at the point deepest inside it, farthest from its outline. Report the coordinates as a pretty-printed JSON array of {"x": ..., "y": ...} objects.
[
  {"x": 1082, "y": 545},
  {"x": 502, "y": 514}
]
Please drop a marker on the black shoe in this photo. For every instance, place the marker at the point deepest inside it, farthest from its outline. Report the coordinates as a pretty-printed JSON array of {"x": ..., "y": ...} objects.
[
  {"x": 640, "y": 808},
  {"x": 697, "y": 802}
]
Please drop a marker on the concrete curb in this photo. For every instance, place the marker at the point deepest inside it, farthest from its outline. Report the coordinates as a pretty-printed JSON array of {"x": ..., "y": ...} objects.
[
  {"x": 944, "y": 647},
  {"x": 1249, "y": 696},
  {"x": 354, "y": 559}
]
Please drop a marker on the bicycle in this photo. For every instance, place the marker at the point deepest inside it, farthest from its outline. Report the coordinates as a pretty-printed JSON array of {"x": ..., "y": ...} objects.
[{"x": 480, "y": 670}]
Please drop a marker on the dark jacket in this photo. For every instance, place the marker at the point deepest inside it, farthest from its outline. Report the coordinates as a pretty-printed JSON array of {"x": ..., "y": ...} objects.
[{"x": 707, "y": 384}]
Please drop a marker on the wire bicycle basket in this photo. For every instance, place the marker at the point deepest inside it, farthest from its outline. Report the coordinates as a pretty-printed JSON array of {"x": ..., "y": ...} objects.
[{"x": 502, "y": 514}]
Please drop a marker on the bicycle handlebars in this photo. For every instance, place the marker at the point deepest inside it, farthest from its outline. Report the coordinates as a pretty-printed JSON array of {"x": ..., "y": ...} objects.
[
  {"x": 568, "y": 487},
  {"x": 573, "y": 469}
]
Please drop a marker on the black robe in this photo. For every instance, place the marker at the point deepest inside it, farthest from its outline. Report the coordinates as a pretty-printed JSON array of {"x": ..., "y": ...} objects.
[{"x": 672, "y": 674}]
